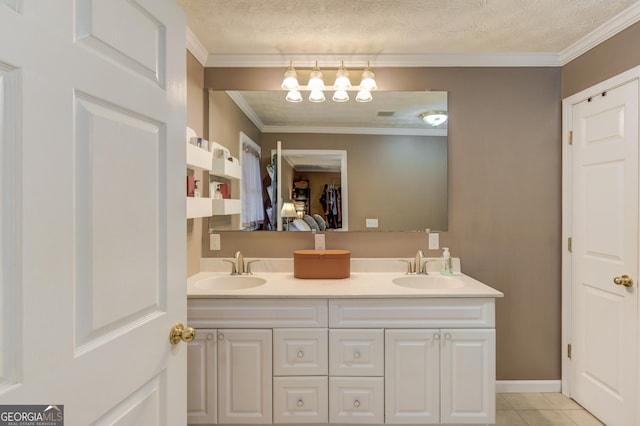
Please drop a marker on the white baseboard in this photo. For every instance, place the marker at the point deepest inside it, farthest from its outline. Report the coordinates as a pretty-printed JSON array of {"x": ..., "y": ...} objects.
[{"x": 526, "y": 386}]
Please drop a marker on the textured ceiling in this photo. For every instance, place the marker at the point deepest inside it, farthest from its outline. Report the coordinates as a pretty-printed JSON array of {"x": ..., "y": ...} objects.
[{"x": 380, "y": 27}]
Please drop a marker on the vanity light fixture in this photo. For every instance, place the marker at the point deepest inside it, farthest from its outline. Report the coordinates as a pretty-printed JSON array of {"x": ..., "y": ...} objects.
[
  {"x": 434, "y": 118},
  {"x": 368, "y": 81},
  {"x": 342, "y": 79},
  {"x": 315, "y": 79},
  {"x": 340, "y": 87},
  {"x": 290, "y": 81}
]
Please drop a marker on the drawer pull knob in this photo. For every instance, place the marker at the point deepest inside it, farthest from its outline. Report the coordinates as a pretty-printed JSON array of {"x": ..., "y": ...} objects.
[
  {"x": 436, "y": 337},
  {"x": 356, "y": 355},
  {"x": 300, "y": 354},
  {"x": 209, "y": 336},
  {"x": 221, "y": 336},
  {"x": 356, "y": 403},
  {"x": 300, "y": 403},
  {"x": 447, "y": 336}
]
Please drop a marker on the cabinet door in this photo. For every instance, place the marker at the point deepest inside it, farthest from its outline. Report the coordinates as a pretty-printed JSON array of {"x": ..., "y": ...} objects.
[
  {"x": 468, "y": 376},
  {"x": 412, "y": 376},
  {"x": 356, "y": 400},
  {"x": 300, "y": 399},
  {"x": 201, "y": 378},
  {"x": 356, "y": 352},
  {"x": 244, "y": 376},
  {"x": 300, "y": 352}
]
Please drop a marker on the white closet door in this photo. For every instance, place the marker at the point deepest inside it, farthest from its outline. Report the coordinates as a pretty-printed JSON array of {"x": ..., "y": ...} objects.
[{"x": 605, "y": 246}]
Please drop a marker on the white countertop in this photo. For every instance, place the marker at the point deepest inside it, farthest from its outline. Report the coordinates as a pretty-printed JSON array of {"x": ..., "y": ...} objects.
[{"x": 359, "y": 285}]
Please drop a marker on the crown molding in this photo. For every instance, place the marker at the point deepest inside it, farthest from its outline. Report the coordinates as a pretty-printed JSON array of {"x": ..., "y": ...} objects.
[
  {"x": 196, "y": 47},
  {"x": 623, "y": 20},
  {"x": 246, "y": 108},
  {"x": 499, "y": 59}
]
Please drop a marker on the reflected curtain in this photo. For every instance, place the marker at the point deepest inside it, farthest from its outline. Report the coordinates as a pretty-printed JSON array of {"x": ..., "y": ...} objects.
[{"x": 252, "y": 207}]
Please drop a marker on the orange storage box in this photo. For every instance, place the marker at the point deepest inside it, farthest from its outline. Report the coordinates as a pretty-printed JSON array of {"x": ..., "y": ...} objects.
[{"x": 327, "y": 264}]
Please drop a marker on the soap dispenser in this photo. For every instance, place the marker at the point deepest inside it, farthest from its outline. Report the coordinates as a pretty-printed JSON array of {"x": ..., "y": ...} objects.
[
  {"x": 447, "y": 268},
  {"x": 217, "y": 195}
]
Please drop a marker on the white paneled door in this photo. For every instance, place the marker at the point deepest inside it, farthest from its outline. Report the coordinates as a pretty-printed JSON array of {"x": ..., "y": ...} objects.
[
  {"x": 604, "y": 260},
  {"x": 92, "y": 220}
]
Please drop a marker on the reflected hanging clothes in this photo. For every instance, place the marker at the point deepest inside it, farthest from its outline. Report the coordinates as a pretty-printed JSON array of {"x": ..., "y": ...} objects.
[{"x": 332, "y": 205}]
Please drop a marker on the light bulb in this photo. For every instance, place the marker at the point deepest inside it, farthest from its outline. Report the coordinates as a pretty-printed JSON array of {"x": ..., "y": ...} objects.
[
  {"x": 364, "y": 96},
  {"x": 316, "y": 96},
  {"x": 340, "y": 96},
  {"x": 290, "y": 81},
  {"x": 294, "y": 96}
]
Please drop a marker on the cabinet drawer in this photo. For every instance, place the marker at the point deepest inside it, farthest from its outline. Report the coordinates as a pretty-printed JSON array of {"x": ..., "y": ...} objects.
[
  {"x": 257, "y": 313},
  {"x": 412, "y": 313},
  {"x": 300, "y": 400},
  {"x": 300, "y": 351},
  {"x": 356, "y": 352},
  {"x": 356, "y": 400}
]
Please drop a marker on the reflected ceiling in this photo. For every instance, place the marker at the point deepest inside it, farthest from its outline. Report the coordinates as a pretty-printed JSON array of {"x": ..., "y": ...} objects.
[{"x": 389, "y": 112}]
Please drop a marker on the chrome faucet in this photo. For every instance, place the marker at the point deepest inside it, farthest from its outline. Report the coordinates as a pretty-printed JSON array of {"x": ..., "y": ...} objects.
[
  {"x": 238, "y": 265},
  {"x": 418, "y": 267}
]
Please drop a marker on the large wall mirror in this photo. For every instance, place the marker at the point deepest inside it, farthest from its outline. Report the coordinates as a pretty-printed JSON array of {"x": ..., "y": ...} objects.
[{"x": 395, "y": 167}]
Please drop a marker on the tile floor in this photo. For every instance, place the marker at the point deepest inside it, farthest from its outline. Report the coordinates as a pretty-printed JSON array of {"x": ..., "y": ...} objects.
[{"x": 538, "y": 409}]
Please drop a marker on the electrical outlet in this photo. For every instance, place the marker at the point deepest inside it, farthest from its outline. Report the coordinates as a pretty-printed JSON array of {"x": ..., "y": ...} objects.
[
  {"x": 434, "y": 241},
  {"x": 371, "y": 223},
  {"x": 214, "y": 241},
  {"x": 319, "y": 242}
]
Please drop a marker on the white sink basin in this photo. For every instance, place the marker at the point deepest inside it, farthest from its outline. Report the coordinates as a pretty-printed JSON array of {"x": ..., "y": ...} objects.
[
  {"x": 428, "y": 282},
  {"x": 230, "y": 282}
]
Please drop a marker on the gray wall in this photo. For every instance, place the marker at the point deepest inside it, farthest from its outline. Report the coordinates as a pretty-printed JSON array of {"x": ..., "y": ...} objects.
[{"x": 504, "y": 199}]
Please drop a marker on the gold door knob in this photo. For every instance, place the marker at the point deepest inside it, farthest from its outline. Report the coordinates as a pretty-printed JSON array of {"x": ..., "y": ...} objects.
[
  {"x": 181, "y": 333},
  {"x": 624, "y": 280}
]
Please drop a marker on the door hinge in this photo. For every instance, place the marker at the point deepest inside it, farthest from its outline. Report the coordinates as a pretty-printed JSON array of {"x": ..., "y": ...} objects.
[
  {"x": 570, "y": 137},
  {"x": 569, "y": 351},
  {"x": 570, "y": 244}
]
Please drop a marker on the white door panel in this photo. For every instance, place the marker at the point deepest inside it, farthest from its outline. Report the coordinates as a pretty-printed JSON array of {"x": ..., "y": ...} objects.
[
  {"x": 605, "y": 245},
  {"x": 92, "y": 229}
]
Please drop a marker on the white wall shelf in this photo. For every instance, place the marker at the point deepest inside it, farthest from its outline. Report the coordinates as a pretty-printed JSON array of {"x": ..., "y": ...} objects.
[
  {"x": 198, "y": 207},
  {"x": 225, "y": 168},
  {"x": 198, "y": 158},
  {"x": 226, "y": 206}
]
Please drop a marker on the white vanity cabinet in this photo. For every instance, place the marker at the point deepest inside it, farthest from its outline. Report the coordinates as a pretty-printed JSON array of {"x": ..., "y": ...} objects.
[
  {"x": 342, "y": 361},
  {"x": 244, "y": 376},
  {"x": 439, "y": 376},
  {"x": 202, "y": 381}
]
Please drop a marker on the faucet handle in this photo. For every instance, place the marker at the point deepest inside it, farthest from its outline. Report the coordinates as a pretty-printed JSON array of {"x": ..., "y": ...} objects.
[
  {"x": 247, "y": 269},
  {"x": 409, "y": 269},
  {"x": 234, "y": 269}
]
